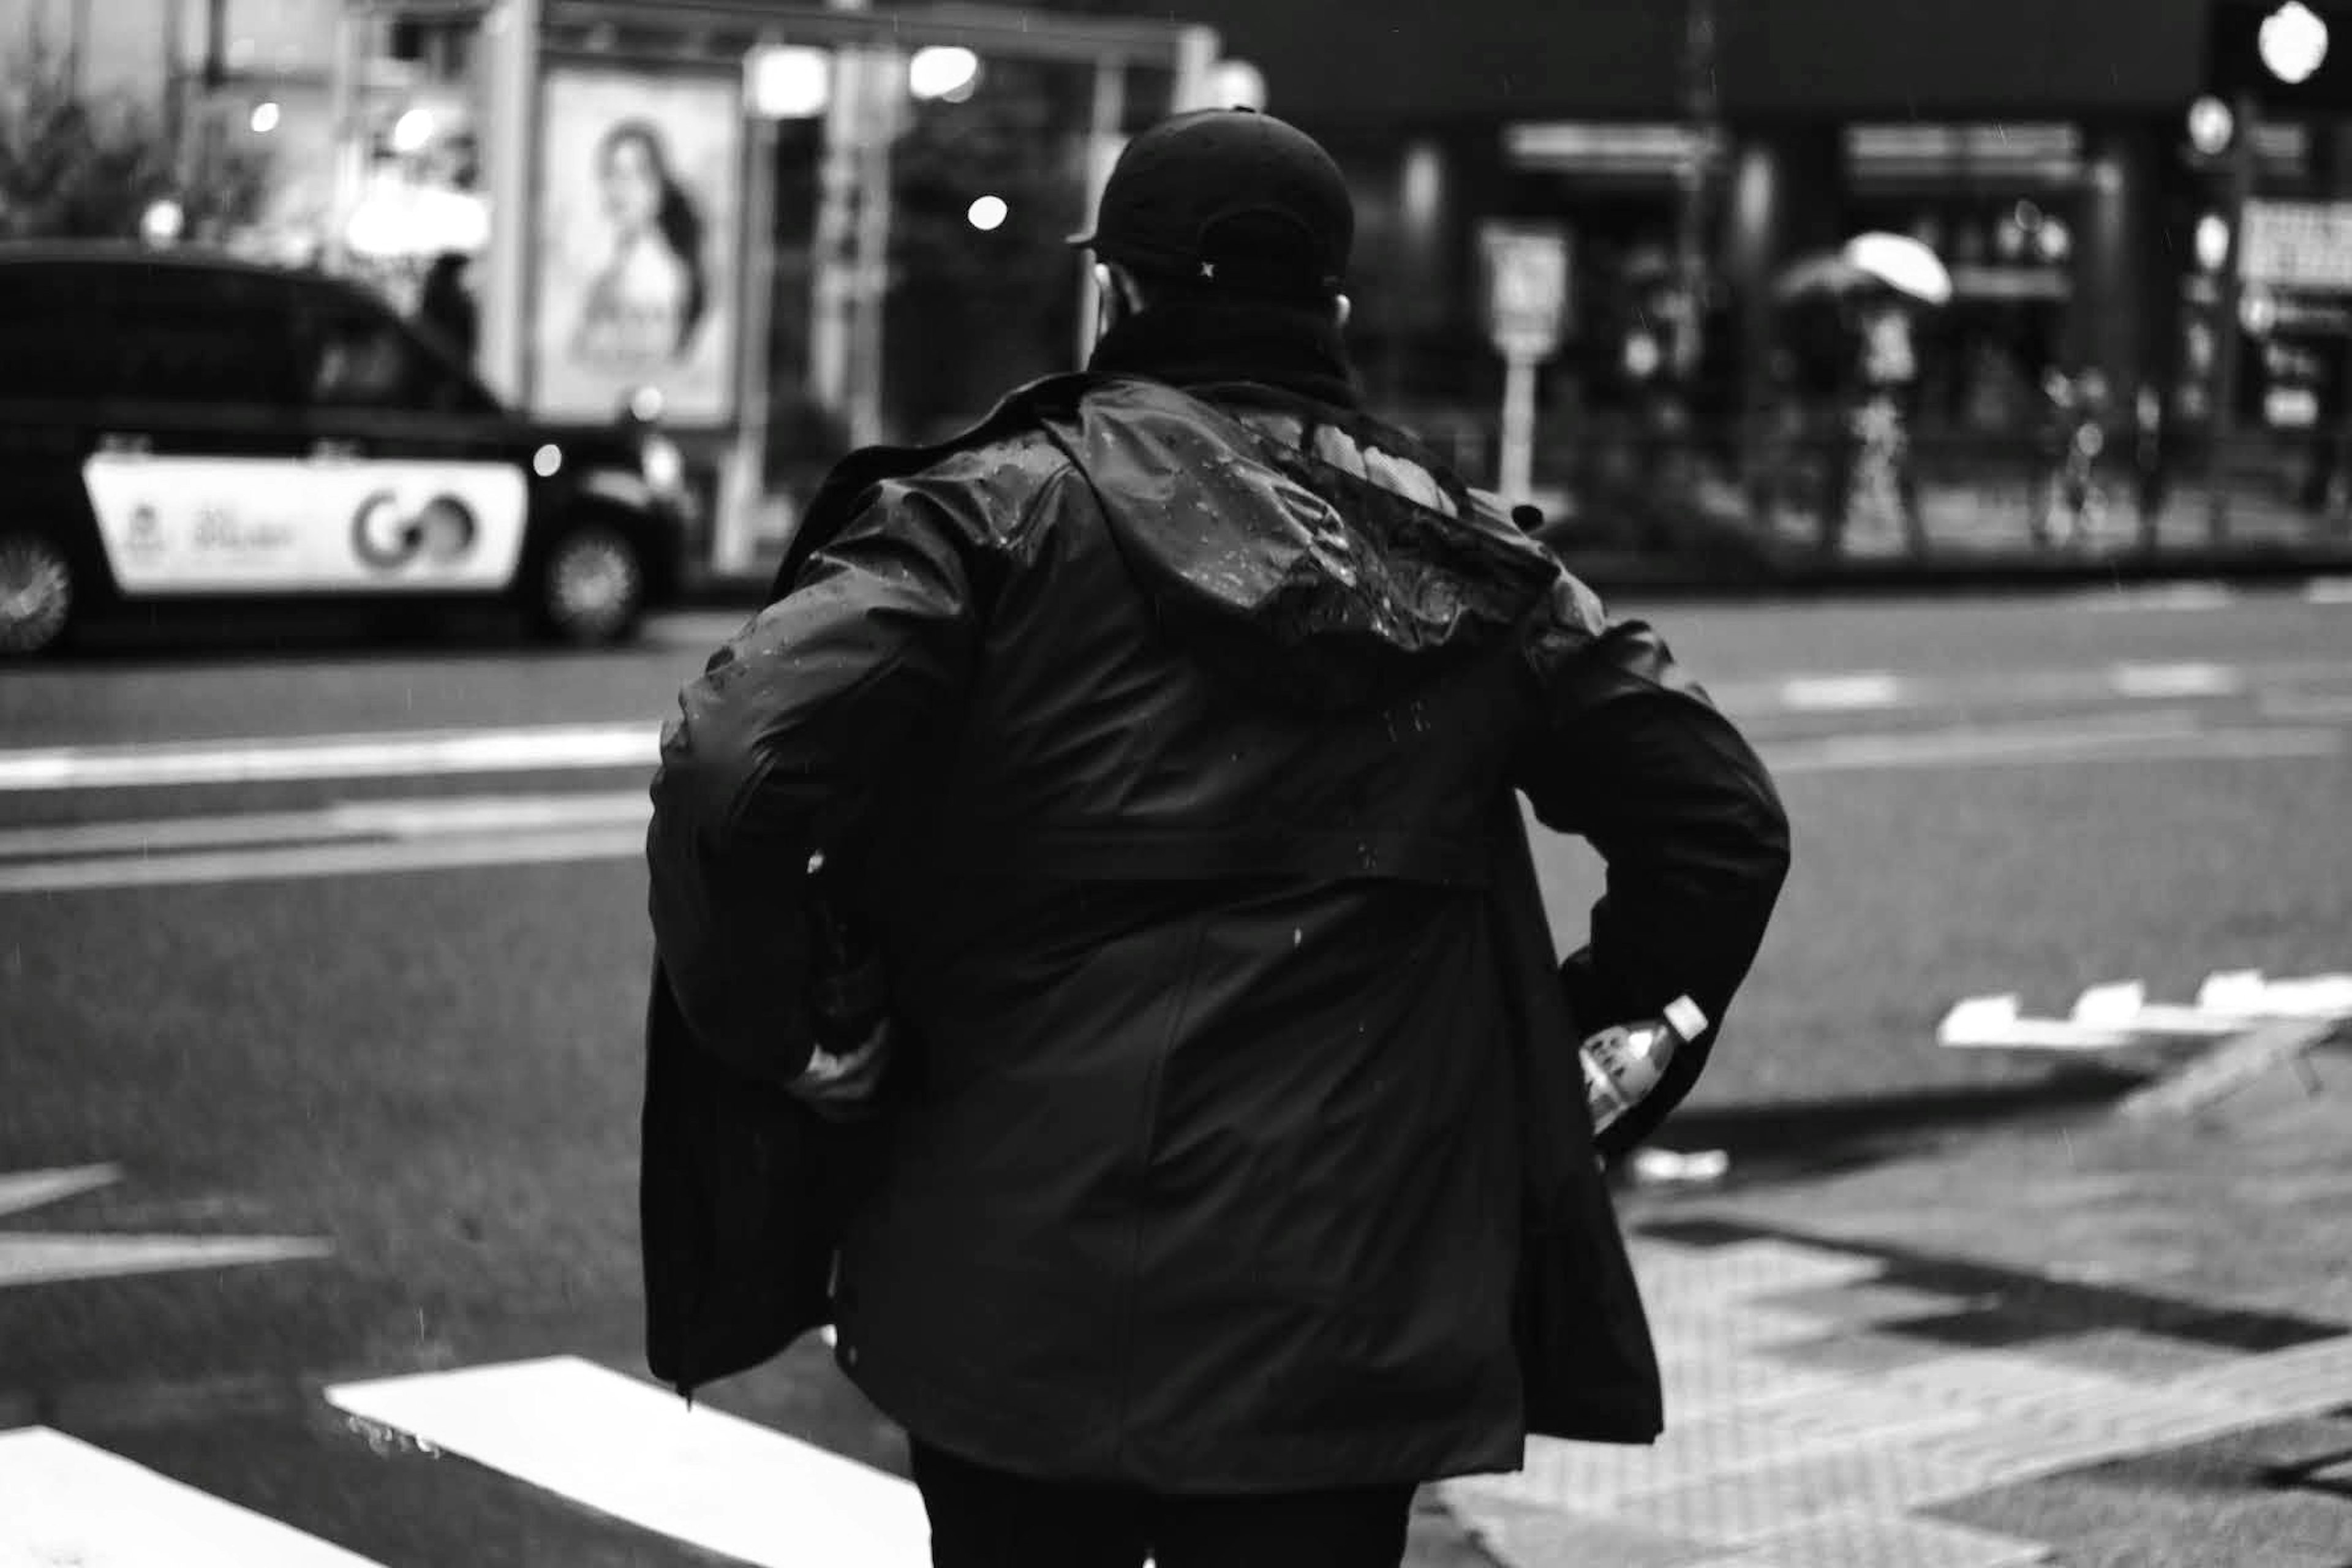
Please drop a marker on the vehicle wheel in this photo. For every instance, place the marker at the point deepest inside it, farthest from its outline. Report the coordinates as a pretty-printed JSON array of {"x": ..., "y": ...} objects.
[
  {"x": 590, "y": 588},
  {"x": 36, "y": 593}
]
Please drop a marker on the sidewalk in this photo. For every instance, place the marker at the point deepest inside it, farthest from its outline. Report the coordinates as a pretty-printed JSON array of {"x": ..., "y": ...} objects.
[{"x": 2092, "y": 1342}]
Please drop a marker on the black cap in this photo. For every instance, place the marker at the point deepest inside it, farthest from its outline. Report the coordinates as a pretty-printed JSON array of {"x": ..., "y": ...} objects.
[{"x": 1228, "y": 197}]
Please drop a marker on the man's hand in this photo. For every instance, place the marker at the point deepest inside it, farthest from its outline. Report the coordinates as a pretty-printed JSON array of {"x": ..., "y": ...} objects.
[{"x": 844, "y": 1087}]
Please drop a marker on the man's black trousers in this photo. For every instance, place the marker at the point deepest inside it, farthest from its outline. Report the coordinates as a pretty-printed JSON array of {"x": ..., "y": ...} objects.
[{"x": 985, "y": 1519}]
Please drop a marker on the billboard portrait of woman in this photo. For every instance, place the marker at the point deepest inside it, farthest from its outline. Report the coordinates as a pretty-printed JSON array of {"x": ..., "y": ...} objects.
[
  {"x": 637, "y": 242},
  {"x": 646, "y": 304}
]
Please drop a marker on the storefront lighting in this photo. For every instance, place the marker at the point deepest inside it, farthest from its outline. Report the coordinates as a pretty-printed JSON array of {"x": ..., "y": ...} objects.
[
  {"x": 2213, "y": 241},
  {"x": 2211, "y": 126},
  {"x": 944, "y": 71},
  {"x": 2258, "y": 312},
  {"x": 1236, "y": 84},
  {"x": 2293, "y": 42},
  {"x": 161, "y": 223},
  {"x": 987, "y": 214},
  {"x": 413, "y": 132},
  {"x": 791, "y": 81},
  {"x": 264, "y": 118}
]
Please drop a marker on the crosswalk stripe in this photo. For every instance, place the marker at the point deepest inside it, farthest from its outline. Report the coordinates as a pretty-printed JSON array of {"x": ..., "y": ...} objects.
[
  {"x": 392, "y": 755},
  {"x": 286, "y": 861},
  {"x": 1857, "y": 692},
  {"x": 643, "y": 1455},
  {"x": 63, "y": 1501},
  {"x": 423, "y": 817}
]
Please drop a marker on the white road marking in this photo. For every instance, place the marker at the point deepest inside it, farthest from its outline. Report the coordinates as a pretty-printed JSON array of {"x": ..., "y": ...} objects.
[
  {"x": 2303, "y": 705},
  {"x": 2175, "y": 681},
  {"x": 280, "y": 862},
  {"x": 2160, "y": 597},
  {"x": 1960, "y": 744},
  {"x": 2329, "y": 591},
  {"x": 1841, "y": 693},
  {"x": 390, "y": 755},
  {"x": 2151, "y": 735},
  {"x": 643, "y": 1455},
  {"x": 64, "y": 1503},
  {"x": 31, "y": 1257},
  {"x": 420, "y": 817},
  {"x": 41, "y": 1257},
  {"x": 36, "y": 1189},
  {"x": 2111, "y": 1017},
  {"x": 1994, "y": 1023}
]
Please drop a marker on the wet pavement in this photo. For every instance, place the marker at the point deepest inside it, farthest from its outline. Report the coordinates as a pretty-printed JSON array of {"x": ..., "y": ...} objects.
[{"x": 2089, "y": 1343}]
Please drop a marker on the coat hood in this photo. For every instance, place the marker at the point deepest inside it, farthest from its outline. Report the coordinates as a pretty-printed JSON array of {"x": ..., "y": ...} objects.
[{"x": 1317, "y": 554}]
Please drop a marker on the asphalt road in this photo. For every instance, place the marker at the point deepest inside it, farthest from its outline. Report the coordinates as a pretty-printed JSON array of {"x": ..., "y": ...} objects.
[{"x": 321, "y": 966}]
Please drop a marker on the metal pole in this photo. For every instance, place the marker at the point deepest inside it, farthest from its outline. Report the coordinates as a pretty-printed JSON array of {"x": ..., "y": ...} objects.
[
  {"x": 512, "y": 156},
  {"x": 885, "y": 94},
  {"x": 1196, "y": 56},
  {"x": 1700, "y": 106},
  {"x": 1517, "y": 475},
  {"x": 175, "y": 73},
  {"x": 831, "y": 285},
  {"x": 344, "y": 137},
  {"x": 2242, "y": 170},
  {"x": 1102, "y": 151},
  {"x": 733, "y": 547}
]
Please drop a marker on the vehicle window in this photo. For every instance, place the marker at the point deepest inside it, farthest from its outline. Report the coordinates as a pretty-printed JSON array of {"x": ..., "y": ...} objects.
[
  {"x": 362, "y": 359},
  {"x": 44, "y": 354},
  {"x": 154, "y": 337}
]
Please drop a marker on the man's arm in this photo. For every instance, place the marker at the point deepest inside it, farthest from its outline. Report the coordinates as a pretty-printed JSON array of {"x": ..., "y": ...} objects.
[
  {"x": 1631, "y": 755},
  {"x": 779, "y": 751}
]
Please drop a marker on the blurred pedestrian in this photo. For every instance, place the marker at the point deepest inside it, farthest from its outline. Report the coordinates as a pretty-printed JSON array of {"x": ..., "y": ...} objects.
[
  {"x": 445, "y": 304},
  {"x": 1229, "y": 1174}
]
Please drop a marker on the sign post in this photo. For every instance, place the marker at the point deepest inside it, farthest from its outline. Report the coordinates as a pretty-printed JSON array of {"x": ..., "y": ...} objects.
[{"x": 1527, "y": 299}]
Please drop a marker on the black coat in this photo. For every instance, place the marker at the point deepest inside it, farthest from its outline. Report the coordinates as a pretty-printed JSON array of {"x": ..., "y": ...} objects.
[{"x": 1171, "y": 743}]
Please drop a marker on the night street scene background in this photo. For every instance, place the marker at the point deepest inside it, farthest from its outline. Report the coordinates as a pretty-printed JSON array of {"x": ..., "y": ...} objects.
[{"x": 401, "y": 399}]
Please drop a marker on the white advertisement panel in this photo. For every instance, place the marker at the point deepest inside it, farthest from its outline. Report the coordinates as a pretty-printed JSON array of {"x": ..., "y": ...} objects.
[
  {"x": 637, "y": 235},
  {"x": 2298, "y": 244},
  {"x": 229, "y": 525}
]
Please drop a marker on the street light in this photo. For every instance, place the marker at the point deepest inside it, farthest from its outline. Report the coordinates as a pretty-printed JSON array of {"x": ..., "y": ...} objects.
[
  {"x": 2293, "y": 42},
  {"x": 791, "y": 81},
  {"x": 945, "y": 72},
  {"x": 2211, "y": 126}
]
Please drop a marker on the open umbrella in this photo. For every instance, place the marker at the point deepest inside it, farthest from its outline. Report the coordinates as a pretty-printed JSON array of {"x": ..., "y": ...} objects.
[
  {"x": 1868, "y": 263},
  {"x": 1903, "y": 264}
]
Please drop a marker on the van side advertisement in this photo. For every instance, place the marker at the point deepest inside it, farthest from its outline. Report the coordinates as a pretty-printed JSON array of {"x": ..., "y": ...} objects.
[
  {"x": 637, "y": 239},
  {"x": 230, "y": 525}
]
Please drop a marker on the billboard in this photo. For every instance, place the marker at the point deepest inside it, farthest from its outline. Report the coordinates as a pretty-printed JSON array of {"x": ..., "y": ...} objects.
[{"x": 637, "y": 235}]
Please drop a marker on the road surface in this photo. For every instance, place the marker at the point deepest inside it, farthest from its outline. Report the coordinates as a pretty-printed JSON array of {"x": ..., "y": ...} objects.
[{"x": 322, "y": 967}]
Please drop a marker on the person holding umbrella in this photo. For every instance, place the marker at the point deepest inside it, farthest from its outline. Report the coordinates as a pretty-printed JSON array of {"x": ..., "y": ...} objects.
[{"x": 1874, "y": 283}]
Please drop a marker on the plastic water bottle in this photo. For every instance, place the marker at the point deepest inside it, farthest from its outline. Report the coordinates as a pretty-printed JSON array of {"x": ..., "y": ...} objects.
[{"x": 1623, "y": 1063}]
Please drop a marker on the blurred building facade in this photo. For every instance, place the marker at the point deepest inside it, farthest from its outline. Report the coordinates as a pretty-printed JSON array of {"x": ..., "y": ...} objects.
[{"x": 2042, "y": 150}]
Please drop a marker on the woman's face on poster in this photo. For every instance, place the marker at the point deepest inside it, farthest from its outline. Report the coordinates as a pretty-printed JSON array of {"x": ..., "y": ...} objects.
[{"x": 632, "y": 186}]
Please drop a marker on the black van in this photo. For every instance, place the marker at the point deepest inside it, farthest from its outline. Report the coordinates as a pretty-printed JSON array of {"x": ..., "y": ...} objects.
[{"x": 183, "y": 427}]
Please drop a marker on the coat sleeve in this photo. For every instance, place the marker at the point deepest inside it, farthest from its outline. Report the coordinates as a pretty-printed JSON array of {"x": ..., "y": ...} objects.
[
  {"x": 780, "y": 749},
  {"x": 1630, "y": 754}
]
